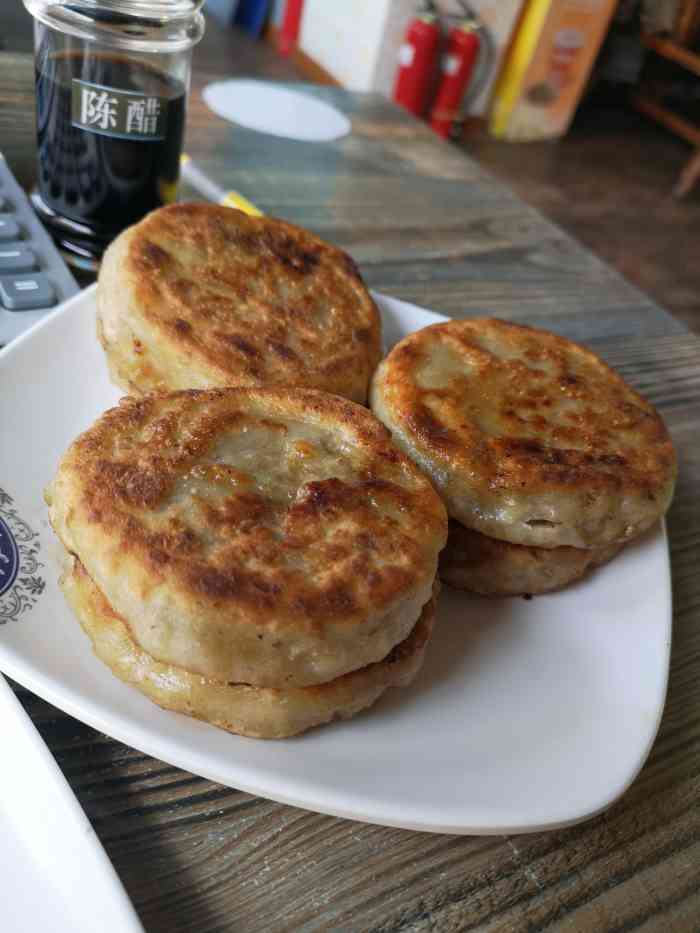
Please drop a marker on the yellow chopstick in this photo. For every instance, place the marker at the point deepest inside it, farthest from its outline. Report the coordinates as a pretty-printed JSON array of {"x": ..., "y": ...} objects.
[{"x": 194, "y": 176}]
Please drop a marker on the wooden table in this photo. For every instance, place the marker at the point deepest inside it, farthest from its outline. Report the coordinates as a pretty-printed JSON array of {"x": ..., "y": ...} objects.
[{"x": 428, "y": 225}]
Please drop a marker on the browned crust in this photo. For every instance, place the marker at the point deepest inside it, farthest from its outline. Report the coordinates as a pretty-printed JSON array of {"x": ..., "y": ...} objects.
[
  {"x": 484, "y": 565},
  {"x": 260, "y": 712},
  {"x": 238, "y": 300},
  {"x": 524, "y": 413},
  {"x": 335, "y": 552}
]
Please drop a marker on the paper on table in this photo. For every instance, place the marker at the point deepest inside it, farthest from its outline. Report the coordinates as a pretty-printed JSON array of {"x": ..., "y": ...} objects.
[
  {"x": 269, "y": 108},
  {"x": 48, "y": 849}
]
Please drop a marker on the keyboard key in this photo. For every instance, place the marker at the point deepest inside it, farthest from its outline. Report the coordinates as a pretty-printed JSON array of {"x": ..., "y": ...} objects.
[
  {"x": 26, "y": 292},
  {"x": 14, "y": 257},
  {"x": 9, "y": 228}
]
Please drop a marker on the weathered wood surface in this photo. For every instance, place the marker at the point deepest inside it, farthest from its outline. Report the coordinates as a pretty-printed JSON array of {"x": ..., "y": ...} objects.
[{"x": 428, "y": 225}]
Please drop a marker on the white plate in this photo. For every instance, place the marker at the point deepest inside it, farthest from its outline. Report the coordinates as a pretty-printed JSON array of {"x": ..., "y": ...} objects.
[
  {"x": 279, "y": 111},
  {"x": 527, "y": 714},
  {"x": 55, "y": 874}
]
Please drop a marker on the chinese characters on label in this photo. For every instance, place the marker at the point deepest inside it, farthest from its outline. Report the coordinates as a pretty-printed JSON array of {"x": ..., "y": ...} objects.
[
  {"x": 118, "y": 113},
  {"x": 142, "y": 116},
  {"x": 98, "y": 109}
]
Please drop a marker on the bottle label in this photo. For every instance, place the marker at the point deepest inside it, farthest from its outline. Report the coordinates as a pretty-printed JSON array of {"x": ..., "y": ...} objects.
[{"x": 113, "y": 112}]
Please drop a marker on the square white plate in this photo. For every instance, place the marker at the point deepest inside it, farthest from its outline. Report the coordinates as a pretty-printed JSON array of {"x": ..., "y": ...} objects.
[{"x": 527, "y": 715}]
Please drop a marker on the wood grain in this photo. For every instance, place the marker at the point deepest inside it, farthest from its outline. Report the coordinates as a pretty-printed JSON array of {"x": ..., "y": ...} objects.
[{"x": 428, "y": 225}]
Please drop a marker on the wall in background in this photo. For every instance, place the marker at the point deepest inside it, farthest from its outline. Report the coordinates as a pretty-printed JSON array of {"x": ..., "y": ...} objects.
[
  {"x": 358, "y": 43},
  {"x": 345, "y": 39}
]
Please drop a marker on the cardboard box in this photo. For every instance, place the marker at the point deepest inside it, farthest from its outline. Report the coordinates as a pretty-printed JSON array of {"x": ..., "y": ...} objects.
[{"x": 548, "y": 66}]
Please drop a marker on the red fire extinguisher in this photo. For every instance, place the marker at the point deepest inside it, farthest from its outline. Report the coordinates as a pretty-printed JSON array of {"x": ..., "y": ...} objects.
[
  {"x": 417, "y": 61},
  {"x": 291, "y": 23},
  {"x": 457, "y": 68}
]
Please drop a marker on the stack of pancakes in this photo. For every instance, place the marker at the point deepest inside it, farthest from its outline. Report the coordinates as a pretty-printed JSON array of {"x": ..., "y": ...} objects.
[
  {"x": 263, "y": 558},
  {"x": 249, "y": 548},
  {"x": 547, "y": 461}
]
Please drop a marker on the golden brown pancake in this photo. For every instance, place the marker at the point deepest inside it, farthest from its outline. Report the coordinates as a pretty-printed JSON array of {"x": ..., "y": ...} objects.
[
  {"x": 472, "y": 561},
  {"x": 259, "y": 712},
  {"x": 528, "y": 437},
  {"x": 265, "y": 536},
  {"x": 198, "y": 295}
]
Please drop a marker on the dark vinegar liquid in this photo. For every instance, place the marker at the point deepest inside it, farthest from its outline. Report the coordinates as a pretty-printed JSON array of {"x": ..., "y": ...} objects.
[{"x": 91, "y": 186}]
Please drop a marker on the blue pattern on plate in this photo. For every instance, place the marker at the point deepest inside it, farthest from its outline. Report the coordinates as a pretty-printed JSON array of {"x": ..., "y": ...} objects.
[
  {"x": 9, "y": 558},
  {"x": 21, "y": 585}
]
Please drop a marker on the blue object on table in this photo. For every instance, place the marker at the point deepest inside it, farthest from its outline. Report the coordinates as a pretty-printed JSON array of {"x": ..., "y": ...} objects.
[
  {"x": 251, "y": 15},
  {"x": 222, "y": 10}
]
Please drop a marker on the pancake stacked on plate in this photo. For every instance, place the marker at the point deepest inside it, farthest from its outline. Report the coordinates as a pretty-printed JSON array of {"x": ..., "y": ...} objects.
[
  {"x": 197, "y": 296},
  {"x": 261, "y": 558},
  {"x": 548, "y": 462}
]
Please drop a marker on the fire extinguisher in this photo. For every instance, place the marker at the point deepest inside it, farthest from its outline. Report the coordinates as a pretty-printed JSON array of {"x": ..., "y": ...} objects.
[
  {"x": 467, "y": 43},
  {"x": 417, "y": 61},
  {"x": 291, "y": 23}
]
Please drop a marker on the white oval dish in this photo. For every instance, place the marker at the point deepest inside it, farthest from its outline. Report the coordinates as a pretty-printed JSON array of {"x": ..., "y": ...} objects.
[{"x": 278, "y": 111}]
